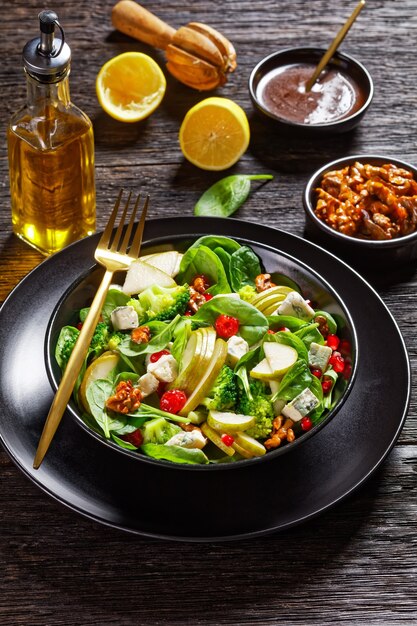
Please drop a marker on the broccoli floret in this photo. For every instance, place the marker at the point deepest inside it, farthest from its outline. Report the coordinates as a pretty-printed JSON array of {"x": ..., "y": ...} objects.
[
  {"x": 142, "y": 317},
  {"x": 247, "y": 293},
  {"x": 114, "y": 339},
  {"x": 260, "y": 407},
  {"x": 164, "y": 303},
  {"x": 223, "y": 394},
  {"x": 159, "y": 430},
  {"x": 65, "y": 345},
  {"x": 100, "y": 339}
]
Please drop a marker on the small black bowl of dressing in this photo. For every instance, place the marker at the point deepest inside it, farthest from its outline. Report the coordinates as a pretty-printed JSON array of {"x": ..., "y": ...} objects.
[{"x": 336, "y": 103}]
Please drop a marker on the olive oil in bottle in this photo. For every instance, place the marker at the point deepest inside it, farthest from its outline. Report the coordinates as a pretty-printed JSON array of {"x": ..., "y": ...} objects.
[{"x": 51, "y": 150}]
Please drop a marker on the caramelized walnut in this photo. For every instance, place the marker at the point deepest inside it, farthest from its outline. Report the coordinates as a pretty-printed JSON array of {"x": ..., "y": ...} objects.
[
  {"x": 142, "y": 334},
  {"x": 126, "y": 398}
]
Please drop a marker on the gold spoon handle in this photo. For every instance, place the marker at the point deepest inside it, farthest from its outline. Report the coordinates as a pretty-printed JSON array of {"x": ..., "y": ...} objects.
[{"x": 335, "y": 44}]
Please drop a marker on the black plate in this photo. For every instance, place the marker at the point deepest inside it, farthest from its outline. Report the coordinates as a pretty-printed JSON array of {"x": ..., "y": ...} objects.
[{"x": 164, "y": 502}]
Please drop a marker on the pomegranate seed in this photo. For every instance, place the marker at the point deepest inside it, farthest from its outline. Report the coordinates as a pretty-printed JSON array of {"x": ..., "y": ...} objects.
[
  {"x": 326, "y": 385},
  {"x": 333, "y": 341},
  {"x": 79, "y": 325},
  {"x": 188, "y": 313},
  {"x": 227, "y": 439},
  {"x": 226, "y": 326},
  {"x": 344, "y": 347},
  {"x": 316, "y": 372},
  {"x": 173, "y": 401},
  {"x": 306, "y": 424},
  {"x": 337, "y": 362},
  {"x": 207, "y": 296},
  {"x": 157, "y": 355},
  {"x": 270, "y": 332},
  {"x": 347, "y": 371},
  {"x": 135, "y": 438}
]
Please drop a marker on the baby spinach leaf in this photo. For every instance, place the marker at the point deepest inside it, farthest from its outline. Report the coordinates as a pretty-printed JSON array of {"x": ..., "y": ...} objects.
[
  {"x": 290, "y": 339},
  {"x": 97, "y": 393},
  {"x": 244, "y": 268},
  {"x": 216, "y": 241},
  {"x": 294, "y": 382},
  {"x": 224, "y": 257},
  {"x": 182, "y": 334},
  {"x": 67, "y": 337},
  {"x": 316, "y": 388},
  {"x": 253, "y": 323},
  {"x": 114, "y": 298},
  {"x": 202, "y": 260},
  {"x": 287, "y": 321},
  {"x": 122, "y": 443},
  {"x": 310, "y": 333},
  {"x": 158, "y": 341},
  {"x": 227, "y": 195}
]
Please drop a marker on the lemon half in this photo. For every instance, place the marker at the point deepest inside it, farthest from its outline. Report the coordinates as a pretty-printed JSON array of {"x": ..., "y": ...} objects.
[{"x": 214, "y": 134}]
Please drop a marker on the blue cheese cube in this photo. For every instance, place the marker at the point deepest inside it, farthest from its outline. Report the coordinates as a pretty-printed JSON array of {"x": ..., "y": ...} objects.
[
  {"x": 165, "y": 369},
  {"x": 301, "y": 405},
  {"x": 236, "y": 348},
  {"x": 148, "y": 383},
  {"x": 318, "y": 356},
  {"x": 295, "y": 305},
  {"x": 124, "y": 318},
  {"x": 192, "y": 439}
]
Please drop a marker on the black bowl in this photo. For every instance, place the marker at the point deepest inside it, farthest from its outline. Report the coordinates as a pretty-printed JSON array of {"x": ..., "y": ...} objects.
[
  {"x": 312, "y": 285},
  {"x": 340, "y": 61},
  {"x": 362, "y": 253}
]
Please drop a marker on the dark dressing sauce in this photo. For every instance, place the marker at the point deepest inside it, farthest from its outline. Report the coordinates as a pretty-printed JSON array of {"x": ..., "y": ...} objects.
[{"x": 334, "y": 96}]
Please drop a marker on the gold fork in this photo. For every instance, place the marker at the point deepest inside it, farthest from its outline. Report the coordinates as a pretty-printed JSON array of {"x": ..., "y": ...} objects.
[{"x": 113, "y": 257}]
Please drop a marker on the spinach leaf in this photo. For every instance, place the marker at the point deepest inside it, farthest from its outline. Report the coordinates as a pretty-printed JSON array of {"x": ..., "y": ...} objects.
[
  {"x": 294, "y": 381},
  {"x": 158, "y": 342},
  {"x": 244, "y": 268},
  {"x": 288, "y": 321},
  {"x": 290, "y": 339},
  {"x": 97, "y": 394},
  {"x": 253, "y": 323},
  {"x": 310, "y": 333},
  {"x": 114, "y": 298},
  {"x": 316, "y": 388},
  {"x": 216, "y": 241},
  {"x": 202, "y": 260},
  {"x": 227, "y": 195},
  {"x": 122, "y": 443},
  {"x": 224, "y": 257},
  {"x": 66, "y": 340},
  {"x": 177, "y": 454}
]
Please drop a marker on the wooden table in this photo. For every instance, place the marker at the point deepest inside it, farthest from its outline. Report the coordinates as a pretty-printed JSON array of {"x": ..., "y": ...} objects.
[{"x": 357, "y": 563}]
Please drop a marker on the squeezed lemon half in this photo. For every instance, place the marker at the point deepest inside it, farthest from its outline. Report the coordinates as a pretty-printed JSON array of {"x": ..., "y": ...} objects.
[{"x": 130, "y": 86}]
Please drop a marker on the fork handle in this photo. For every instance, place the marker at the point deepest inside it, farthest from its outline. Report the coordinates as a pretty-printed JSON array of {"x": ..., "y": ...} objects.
[{"x": 72, "y": 369}]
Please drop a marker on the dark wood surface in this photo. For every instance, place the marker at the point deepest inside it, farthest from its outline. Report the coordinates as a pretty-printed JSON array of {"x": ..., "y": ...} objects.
[{"x": 357, "y": 563}]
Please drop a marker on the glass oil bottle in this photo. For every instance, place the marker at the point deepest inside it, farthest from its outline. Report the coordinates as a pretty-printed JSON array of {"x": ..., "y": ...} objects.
[{"x": 51, "y": 150}]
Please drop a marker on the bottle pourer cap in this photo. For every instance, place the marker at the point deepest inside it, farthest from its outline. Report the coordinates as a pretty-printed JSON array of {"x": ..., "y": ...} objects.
[{"x": 47, "y": 57}]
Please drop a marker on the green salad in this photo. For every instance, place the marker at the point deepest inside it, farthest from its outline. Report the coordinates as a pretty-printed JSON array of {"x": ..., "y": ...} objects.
[{"x": 203, "y": 357}]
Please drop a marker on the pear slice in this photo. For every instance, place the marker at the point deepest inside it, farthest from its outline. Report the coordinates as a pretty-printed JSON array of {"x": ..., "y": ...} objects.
[
  {"x": 278, "y": 290},
  {"x": 99, "y": 368},
  {"x": 216, "y": 438},
  {"x": 250, "y": 444},
  {"x": 207, "y": 377},
  {"x": 195, "y": 360},
  {"x": 141, "y": 275},
  {"x": 168, "y": 262},
  {"x": 229, "y": 422},
  {"x": 262, "y": 371},
  {"x": 280, "y": 357},
  {"x": 278, "y": 404},
  {"x": 242, "y": 451}
]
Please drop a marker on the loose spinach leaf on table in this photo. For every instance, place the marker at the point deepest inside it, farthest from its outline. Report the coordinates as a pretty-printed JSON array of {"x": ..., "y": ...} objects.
[{"x": 227, "y": 195}]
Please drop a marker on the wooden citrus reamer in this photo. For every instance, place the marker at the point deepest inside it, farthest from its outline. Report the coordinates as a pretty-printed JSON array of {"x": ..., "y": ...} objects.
[{"x": 197, "y": 55}]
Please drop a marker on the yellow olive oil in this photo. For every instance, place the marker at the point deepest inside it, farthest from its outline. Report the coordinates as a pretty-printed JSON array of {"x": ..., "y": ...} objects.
[{"x": 51, "y": 150}]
